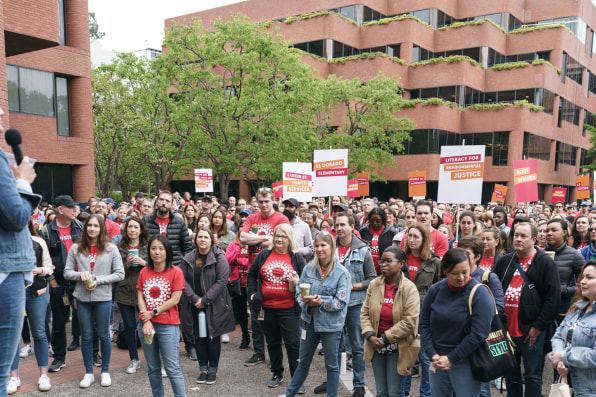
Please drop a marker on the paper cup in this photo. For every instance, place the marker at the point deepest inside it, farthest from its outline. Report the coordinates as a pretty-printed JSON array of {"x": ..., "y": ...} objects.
[
  {"x": 551, "y": 254},
  {"x": 305, "y": 289},
  {"x": 149, "y": 339}
]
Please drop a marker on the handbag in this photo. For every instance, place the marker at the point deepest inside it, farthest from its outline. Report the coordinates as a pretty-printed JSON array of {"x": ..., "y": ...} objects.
[
  {"x": 234, "y": 288},
  {"x": 494, "y": 357},
  {"x": 560, "y": 389}
]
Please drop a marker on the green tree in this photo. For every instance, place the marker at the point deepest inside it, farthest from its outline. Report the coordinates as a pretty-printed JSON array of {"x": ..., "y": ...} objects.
[
  {"x": 245, "y": 94},
  {"x": 591, "y": 155},
  {"x": 94, "y": 33},
  {"x": 369, "y": 128}
]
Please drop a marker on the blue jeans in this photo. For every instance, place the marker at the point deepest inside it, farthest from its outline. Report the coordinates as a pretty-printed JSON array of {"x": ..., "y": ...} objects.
[
  {"x": 533, "y": 364},
  {"x": 36, "y": 313},
  {"x": 165, "y": 346},
  {"x": 356, "y": 342},
  {"x": 458, "y": 380},
  {"x": 129, "y": 318},
  {"x": 308, "y": 346},
  {"x": 12, "y": 310},
  {"x": 88, "y": 312},
  {"x": 387, "y": 381},
  {"x": 424, "y": 375}
]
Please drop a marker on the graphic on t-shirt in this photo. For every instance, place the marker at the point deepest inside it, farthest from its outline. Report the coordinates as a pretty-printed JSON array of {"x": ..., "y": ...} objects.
[
  {"x": 374, "y": 247},
  {"x": 163, "y": 229},
  {"x": 277, "y": 273},
  {"x": 157, "y": 290}
]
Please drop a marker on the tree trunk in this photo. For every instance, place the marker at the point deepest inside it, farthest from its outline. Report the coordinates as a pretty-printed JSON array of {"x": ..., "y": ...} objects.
[{"x": 224, "y": 184}]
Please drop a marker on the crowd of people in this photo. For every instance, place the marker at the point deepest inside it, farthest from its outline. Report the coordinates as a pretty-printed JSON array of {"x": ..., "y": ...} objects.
[{"x": 361, "y": 280}]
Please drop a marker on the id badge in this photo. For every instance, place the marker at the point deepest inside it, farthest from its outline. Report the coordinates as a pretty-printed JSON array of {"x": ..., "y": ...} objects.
[
  {"x": 303, "y": 335},
  {"x": 65, "y": 300},
  {"x": 41, "y": 291},
  {"x": 432, "y": 369}
]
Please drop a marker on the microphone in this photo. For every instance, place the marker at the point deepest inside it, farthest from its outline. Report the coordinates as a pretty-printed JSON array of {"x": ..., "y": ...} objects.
[{"x": 14, "y": 139}]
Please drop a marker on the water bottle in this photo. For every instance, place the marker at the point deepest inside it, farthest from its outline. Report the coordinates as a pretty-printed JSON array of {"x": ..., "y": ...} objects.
[{"x": 202, "y": 324}]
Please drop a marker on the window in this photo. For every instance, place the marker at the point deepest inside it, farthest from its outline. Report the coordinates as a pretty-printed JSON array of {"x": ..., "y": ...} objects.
[
  {"x": 12, "y": 79},
  {"x": 62, "y": 21},
  {"x": 565, "y": 154},
  {"x": 371, "y": 15},
  {"x": 584, "y": 159},
  {"x": 591, "y": 86},
  {"x": 52, "y": 180},
  {"x": 423, "y": 15},
  {"x": 536, "y": 147},
  {"x": 421, "y": 54},
  {"x": 568, "y": 111},
  {"x": 62, "y": 107},
  {"x": 572, "y": 69},
  {"x": 341, "y": 50},
  {"x": 316, "y": 47},
  {"x": 574, "y": 23},
  {"x": 589, "y": 120}
]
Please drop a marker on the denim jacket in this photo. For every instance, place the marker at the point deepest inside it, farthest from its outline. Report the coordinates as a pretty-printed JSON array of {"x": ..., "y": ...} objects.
[
  {"x": 335, "y": 293},
  {"x": 360, "y": 264},
  {"x": 580, "y": 357},
  {"x": 17, "y": 202}
]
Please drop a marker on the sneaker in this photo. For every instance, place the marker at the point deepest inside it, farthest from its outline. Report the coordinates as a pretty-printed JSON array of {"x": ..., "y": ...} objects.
[
  {"x": 500, "y": 384},
  {"x": 202, "y": 377},
  {"x": 106, "y": 380},
  {"x": 211, "y": 378},
  {"x": 225, "y": 338},
  {"x": 50, "y": 350},
  {"x": 56, "y": 365},
  {"x": 43, "y": 383},
  {"x": 25, "y": 351},
  {"x": 134, "y": 365},
  {"x": 301, "y": 390},
  {"x": 13, "y": 384},
  {"x": 97, "y": 360},
  {"x": 321, "y": 389},
  {"x": 74, "y": 345},
  {"x": 164, "y": 374},
  {"x": 86, "y": 381},
  {"x": 358, "y": 392},
  {"x": 254, "y": 360},
  {"x": 244, "y": 346},
  {"x": 275, "y": 380},
  {"x": 249, "y": 329}
]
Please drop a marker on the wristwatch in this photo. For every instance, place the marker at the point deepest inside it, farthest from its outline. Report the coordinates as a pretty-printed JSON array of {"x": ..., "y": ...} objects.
[{"x": 155, "y": 313}]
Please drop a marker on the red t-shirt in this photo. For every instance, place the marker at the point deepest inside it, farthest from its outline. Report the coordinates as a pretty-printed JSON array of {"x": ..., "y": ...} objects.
[
  {"x": 512, "y": 296},
  {"x": 262, "y": 227},
  {"x": 35, "y": 218},
  {"x": 487, "y": 263},
  {"x": 342, "y": 251},
  {"x": 163, "y": 225},
  {"x": 386, "y": 319},
  {"x": 243, "y": 270},
  {"x": 439, "y": 243},
  {"x": 157, "y": 288},
  {"x": 65, "y": 237},
  {"x": 113, "y": 228},
  {"x": 413, "y": 265},
  {"x": 374, "y": 248},
  {"x": 92, "y": 255},
  {"x": 275, "y": 273}
]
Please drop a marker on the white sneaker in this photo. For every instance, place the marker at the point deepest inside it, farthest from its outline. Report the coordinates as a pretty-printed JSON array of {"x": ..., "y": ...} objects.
[
  {"x": 105, "y": 379},
  {"x": 164, "y": 374},
  {"x": 44, "y": 383},
  {"x": 50, "y": 350},
  {"x": 13, "y": 384},
  {"x": 25, "y": 351},
  {"x": 87, "y": 380},
  {"x": 134, "y": 365},
  {"x": 500, "y": 382},
  {"x": 225, "y": 338}
]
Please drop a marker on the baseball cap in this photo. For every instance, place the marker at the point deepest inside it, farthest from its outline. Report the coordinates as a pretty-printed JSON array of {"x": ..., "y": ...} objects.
[
  {"x": 245, "y": 211},
  {"x": 342, "y": 206},
  {"x": 292, "y": 201},
  {"x": 207, "y": 198},
  {"x": 64, "y": 200},
  {"x": 139, "y": 195}
]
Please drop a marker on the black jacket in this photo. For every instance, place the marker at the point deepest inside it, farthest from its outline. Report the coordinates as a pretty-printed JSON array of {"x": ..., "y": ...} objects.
[
  {"x": 569, "y": 262},
  {"x": 543, "y": 273},
  {"x": 177, "y": 234},
  {"x": 57, "y": 249},
  {"x": 253, "y": 278}
]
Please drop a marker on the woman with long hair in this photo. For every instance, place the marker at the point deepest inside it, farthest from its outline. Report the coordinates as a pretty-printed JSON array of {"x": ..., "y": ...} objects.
[
  {"x": 271, "y": 284},
  {"x": 323, "y": 297},
  {"x": 134, "y": 251},
  {"x": 190, "y": 214},
  {"x": 206, "y": 273},
  {"x": 589, "y": 252},
  {"x": 237, "y": 257},
  {"x": 573, "y": 343},
  {"x": 491, "y": 241},
  {"x": 448, "y": 332},
  {"x": 326, "y": 224},
  {"x": 487, "y": 219},
  {"x": 423, "y": 269},
  {"x": 389, "y": 318},
  {"x": 36, "y": 306},
  {"x": 467, "y": 222},
  {"x": 204, "y": 221},
  {"x": 410, "y": 217},
  {"x": 548, "y": 212},
  {"x": 219, "y": 227},
  {"x": 95, "y": 264},
  {"x": 378, "y": 234},
  {"x": 580, "y": 237},
  {"x": 159, "y": 289}
]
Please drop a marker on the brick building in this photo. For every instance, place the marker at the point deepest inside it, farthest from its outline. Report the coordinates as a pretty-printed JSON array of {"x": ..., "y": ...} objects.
[
  {"x": 45, "y": 91},
  {"x": 481, "y": 56}
]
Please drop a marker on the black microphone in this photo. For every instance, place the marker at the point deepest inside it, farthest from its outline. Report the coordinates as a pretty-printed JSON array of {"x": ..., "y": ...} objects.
[{"x": 14, "y": 139}]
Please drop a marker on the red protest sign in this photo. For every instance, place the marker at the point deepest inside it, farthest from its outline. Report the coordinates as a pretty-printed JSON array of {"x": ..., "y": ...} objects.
[{"x": 525, "y": 178}]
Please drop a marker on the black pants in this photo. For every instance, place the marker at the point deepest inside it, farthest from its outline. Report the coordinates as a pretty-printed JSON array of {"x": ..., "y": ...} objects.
[
  {"x": 258, "y": 337},
  {"x": 278, "y": 324},
  {"x": 59, "y": 316},
  {"x": 239, "y": 304}
]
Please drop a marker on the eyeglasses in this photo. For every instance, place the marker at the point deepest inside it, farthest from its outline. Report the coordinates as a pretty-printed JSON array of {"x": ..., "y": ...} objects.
[
  {"x": 592, "y": 229},
  {"x": 559, "y": 206},
  {"x": 388, "y": 261},
  {"x": 281, "y": 237}
]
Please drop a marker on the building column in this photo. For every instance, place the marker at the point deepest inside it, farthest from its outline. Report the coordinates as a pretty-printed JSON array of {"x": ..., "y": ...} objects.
[{"x": 81, "y": 175}]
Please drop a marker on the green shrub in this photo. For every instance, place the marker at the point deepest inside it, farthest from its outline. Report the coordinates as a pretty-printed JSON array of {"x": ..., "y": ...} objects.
[
  {"x": 528, "y": 29},
  {"x": 386, "y": 21},
  {"x": 458, "y": 25},
  {"x": 450, "y": 59},
  {"x": 369, "y": 55},
  {"x": 316, "y": 15}
]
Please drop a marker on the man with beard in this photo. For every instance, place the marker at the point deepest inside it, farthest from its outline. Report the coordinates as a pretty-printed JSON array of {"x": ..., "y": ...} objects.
[{"x": 301, "y": 229}]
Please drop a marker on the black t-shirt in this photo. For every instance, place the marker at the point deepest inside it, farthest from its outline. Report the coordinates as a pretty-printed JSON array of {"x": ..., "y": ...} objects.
[{"x": 197, "y": 274}]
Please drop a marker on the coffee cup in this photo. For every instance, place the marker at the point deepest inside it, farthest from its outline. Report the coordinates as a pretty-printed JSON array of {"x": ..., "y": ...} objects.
[
  {"x": 149, "y": 338},
  {"x": 551, "y": 254},
  {"x": 305, "y": 289}
]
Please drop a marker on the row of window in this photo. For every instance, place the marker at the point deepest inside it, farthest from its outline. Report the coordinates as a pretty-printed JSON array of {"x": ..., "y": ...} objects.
[
  {"x": 537, "y": 147},
  {"x": 40, "y": 93}
]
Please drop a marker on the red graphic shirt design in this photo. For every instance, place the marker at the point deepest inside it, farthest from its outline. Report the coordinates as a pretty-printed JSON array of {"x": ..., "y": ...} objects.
[
  {"x": 275, "y": 286},
  {"x": 512, "y": 296}
]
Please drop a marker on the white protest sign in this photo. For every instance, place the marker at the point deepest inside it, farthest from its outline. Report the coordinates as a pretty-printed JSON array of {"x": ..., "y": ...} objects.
[
  {"x": 331, "y": 170},
  {"x": 461, "y": 174},
  {"x": 297, "y": 181},
  {"x": 203, "y": 180}
]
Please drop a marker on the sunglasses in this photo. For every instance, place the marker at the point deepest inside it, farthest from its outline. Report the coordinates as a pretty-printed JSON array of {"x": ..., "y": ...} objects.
[
  {"x": 592, "y": 229},
  {"x": 322, "y": 233},
  {"x": 265, "y": 189}
]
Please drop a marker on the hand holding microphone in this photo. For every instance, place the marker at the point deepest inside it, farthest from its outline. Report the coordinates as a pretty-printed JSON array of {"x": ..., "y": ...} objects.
[{"x": 23, "y": 169}]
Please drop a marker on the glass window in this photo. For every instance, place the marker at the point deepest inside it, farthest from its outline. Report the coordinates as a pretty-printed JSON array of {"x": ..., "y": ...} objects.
[
  {"x": 62, "y": 22},
  {"x": 566, "y": 154},
  {"x": 423, "y": 15},
  {"x": 536, "y": 147},
  {"x": 506, "y": 96},
  {"x": 36, "y": 92},
  {"x": 62, "y": 107},
  {"x": 548, "y": 101},
  {"x": 52, "y": 180},
  {"x": 500, "y": 148},
  {"x": 419, "y": 142},
  {"x": 348, "y": 12},
  {"x": 572, "y": 69},
  {"x": 568, "y": 111},
  {"x": 12, "y": 80},
  {"x": 589, "y": 120}
]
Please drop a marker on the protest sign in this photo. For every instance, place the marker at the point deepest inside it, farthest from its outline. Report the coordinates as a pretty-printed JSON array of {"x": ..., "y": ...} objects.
[
  {"x": 331, "y": 170},
  {"x": 525, "y": 178},
  {"x": 461, "y": 174},
  {"x": 203, "y": 180},
  {"x": 499, "y": 193},
  {"x": 297, "y": 181}
]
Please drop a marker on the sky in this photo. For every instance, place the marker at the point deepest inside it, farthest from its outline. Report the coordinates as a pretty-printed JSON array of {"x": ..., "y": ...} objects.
[{"x": 132, "y": 25}]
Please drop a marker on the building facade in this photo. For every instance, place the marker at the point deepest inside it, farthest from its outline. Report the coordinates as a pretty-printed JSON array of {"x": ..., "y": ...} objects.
[
  {"x": 45, "y": 91},
  {"x": 516, "y": 76}
]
